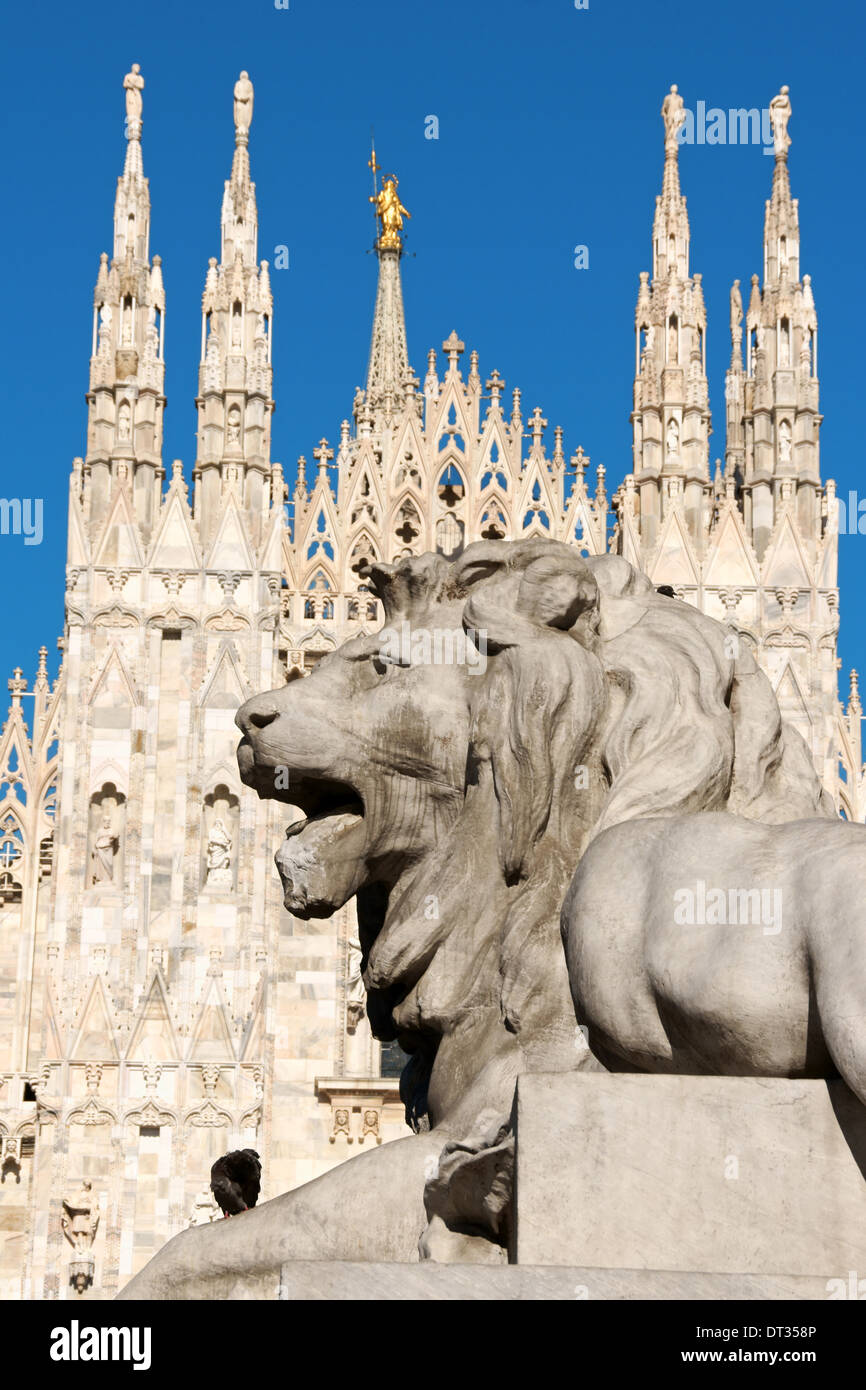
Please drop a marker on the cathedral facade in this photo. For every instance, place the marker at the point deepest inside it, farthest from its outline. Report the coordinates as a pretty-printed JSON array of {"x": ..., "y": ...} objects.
[{"x": 159, "y": 1005}]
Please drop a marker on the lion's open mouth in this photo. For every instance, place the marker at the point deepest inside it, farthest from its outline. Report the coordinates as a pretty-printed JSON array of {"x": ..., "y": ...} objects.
[
  {"x": 320, "y": 853},
  {"x": 320, "y": 798}
]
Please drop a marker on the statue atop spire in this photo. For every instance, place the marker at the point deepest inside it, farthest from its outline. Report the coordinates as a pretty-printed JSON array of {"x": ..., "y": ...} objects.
[
  {"x": 133, "y": 84},
  {"x": 780, "y": 114},
  {"x": 389, "y": 210},
  {"x": 243, "y": 95},
  {"x": 673, "y": 116}
]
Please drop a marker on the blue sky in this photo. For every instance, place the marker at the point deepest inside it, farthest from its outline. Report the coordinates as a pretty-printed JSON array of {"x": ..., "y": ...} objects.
[{"x": 549, "y": 137}]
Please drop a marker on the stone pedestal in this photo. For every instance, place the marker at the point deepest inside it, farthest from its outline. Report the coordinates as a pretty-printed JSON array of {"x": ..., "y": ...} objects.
[
  {"x": 339, "y": 1280},
  {"x": 717, "y": 1175}
]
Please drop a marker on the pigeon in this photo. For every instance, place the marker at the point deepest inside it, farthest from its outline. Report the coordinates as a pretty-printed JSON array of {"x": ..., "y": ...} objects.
[{"x": 235, "y": 1181}]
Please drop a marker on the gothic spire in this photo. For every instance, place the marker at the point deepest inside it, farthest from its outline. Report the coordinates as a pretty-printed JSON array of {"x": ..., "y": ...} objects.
[
  {"x": 780, "y": 412},
  {"x": 132, "y": 200},
  {"x": 781, "y": 223},
  {"x": 671, "y": 228},
  {"x": 235, "y": 400},
  {"x": 671, "y": 415},
  {"x": 389, "y": 359},
  {"x": 127, "y": 367},
  {"x": 239, "y": 213}
]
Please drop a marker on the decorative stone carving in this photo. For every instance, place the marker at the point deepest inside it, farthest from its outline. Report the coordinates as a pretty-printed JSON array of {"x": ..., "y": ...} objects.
[
  {"x": 340, "y": 1118},
  {"x": 210, "y": 1075},
  {"x": 780, "y": 114},
  {"x": 80, "y": 1221},
  {"x": 104, "y": 852},
  {"x": 133, "y": 85},
  {"x": 243, "y": 95},
  {"x": 673, "y": 115},
  {"x": 370, "y": 1126},
  {"x": 673, "y": 439},
  {"x": 204, "y": 1209},
  {"x": 219, "y": 856},
  {"x": 220, "y": 821},
  {"x": 356, "y": 994}
]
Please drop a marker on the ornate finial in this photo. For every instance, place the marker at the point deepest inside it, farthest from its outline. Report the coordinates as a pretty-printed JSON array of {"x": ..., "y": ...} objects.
[
  {"x": 495, "y": 385},
  {"x": 600, "y": 493},
  {"x": 673, "y": 116},
  {"x": 301, "y": 483},
  {"x": 389, "y": 211},
  {"x": 453, "y": 347},
  {"x": 780, "y": 114},
  {"x": 243, "y": 95},
  {"x": 133, "y": 84},
  {"x": 558, "y": 456},
  {"x": 854, "y": 691},
  {"x": 324, "y": 455},
  {"x": 537, "y": 425}
]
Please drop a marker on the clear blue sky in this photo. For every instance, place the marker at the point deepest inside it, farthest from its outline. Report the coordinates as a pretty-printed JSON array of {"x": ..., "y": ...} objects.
[{"x": 550, "y": 136}]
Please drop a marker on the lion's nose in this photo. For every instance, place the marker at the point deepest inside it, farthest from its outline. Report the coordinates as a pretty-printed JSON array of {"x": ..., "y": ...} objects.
[
  {"x": 261, "y": 718},
  {"x": 256, "y": 714}
]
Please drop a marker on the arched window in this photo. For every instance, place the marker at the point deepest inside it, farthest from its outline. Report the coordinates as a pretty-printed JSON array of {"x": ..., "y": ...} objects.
[
  {"x": 493, "y": 525},
  {"x": 673, "y": 339},
  {"x": 11, "y": 859},
  {"x": 449, "y": 537},
  {"x": 452, "y": 488},
  {"x": 784, "y": 343}
]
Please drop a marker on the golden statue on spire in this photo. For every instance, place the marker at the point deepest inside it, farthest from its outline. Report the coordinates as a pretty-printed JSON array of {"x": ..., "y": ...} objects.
[{"x": 389, "y": 210}]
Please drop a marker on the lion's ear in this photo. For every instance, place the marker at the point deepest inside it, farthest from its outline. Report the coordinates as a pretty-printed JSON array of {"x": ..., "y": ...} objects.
[
  {"x": 478, "y": 562},
  {"x": 555, "y": 597}
]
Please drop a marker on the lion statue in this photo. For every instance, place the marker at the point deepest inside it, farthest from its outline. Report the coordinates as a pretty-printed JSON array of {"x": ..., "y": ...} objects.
[{"x": 454, "y": 802}]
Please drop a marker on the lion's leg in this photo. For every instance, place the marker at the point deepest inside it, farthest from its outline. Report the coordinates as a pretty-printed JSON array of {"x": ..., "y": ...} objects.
[
  {"x": 838, "y": 961},
  {"x": 370, "y": 1208}
]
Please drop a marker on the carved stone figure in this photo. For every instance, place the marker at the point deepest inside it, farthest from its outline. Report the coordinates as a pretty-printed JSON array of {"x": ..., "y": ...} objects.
[
  {"x": 784, "y": 442},
  {"x": 585, "y": 663},
  {"x": 124, "y": 423},
  {"x": 103, "y": 857},
  {"x": 356, "y": 995},
  {"x": 80, "y": 1219},
  {"x": 736, "y": 311},
  {"x": 780, "y": 114},
  {"x": 673, "y": 116},
  {"x": 243, "y": 95},
  {"x": 219, "y": 856},
  {"x": 672, "y": 439},
  {"x": 133, "y": 84}
]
